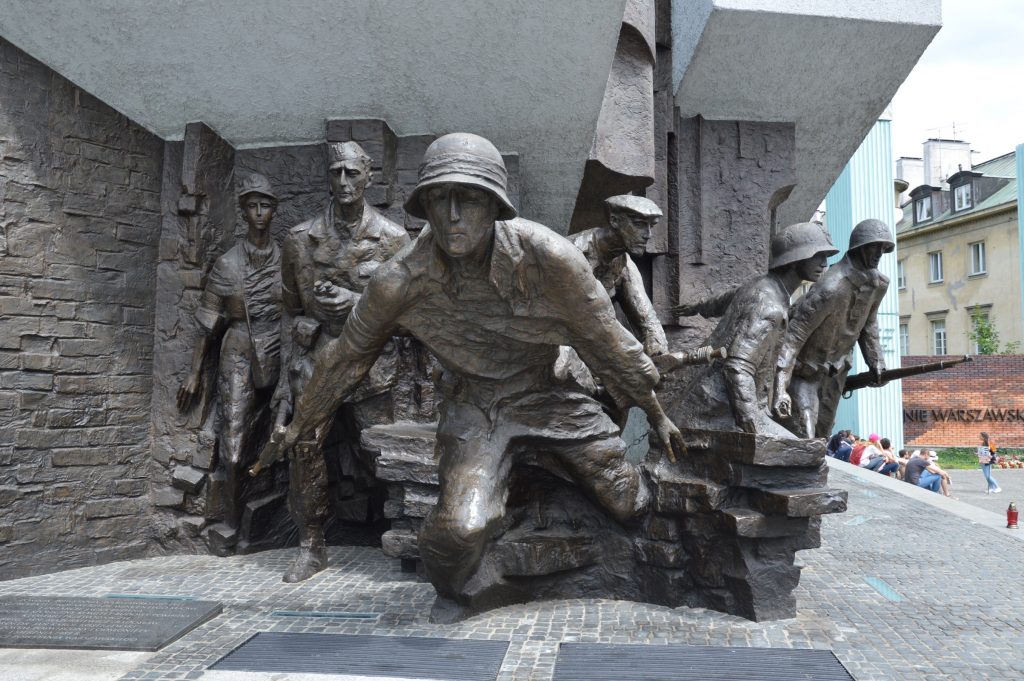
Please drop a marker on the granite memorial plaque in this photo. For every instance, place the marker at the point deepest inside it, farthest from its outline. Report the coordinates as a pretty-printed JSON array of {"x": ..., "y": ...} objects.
[{"x": 99, "y": 623}]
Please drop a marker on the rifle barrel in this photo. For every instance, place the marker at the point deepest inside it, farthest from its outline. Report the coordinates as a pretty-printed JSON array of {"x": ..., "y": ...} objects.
[{"x": 866, "y": 378}]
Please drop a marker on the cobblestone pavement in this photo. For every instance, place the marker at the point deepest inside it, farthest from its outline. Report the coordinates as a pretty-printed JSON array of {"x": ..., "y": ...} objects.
[
  {"x": 901, "y": 590},
  {"x": 969, "y": 487}
]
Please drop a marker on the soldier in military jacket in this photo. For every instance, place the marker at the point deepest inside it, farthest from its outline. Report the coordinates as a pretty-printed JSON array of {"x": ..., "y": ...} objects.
[
  {"x": 838, "y": 312},
  {"x": 327, "y": 261}
]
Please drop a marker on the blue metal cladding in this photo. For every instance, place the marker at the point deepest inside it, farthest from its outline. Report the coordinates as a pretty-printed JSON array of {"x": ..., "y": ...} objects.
[
  {"x": 1019, "y": 155},
  {"x": 865, "y": 190}
]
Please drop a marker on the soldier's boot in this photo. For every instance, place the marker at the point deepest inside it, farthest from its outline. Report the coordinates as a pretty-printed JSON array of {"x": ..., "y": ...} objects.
[
  {"x": 307, "y": 501},
  {"x": 312, "y": 556}
]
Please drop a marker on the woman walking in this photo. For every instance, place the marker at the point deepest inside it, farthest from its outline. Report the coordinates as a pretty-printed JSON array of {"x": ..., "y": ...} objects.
[{"x": 987, "y": 457}]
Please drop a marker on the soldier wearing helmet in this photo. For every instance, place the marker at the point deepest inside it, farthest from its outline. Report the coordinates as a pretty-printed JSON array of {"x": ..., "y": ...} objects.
[
  {"x": 607, "y": 249},
  {"x": 735, "y": 394},
  {"x": 838, "y": 312},
  {"x": 327, "y": 262},
  {"x": 240, "y": 308},
  {"x": 493, "y": 296}
]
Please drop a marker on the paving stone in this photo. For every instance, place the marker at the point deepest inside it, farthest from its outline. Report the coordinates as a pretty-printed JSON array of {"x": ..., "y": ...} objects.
[{"x": 957, "y": 620}]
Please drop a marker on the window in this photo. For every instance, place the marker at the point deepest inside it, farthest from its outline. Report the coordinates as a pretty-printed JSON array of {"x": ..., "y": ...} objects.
[
  {"x": 935, "y": 267},
  {"x": 901, "y": 275},
  {"x": 962, "y": 197},
  {"x": 904, "y": 338},
  {"x": 938, "y": 336},
  {"x": 977, "y": 257},
  {"x": 923, "y": 209}
]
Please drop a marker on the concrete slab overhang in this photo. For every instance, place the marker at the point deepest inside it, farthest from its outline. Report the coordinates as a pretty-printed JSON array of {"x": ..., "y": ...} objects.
[
  {"x": 829, "y": 66},
  {"x": 528, "y": 74}
]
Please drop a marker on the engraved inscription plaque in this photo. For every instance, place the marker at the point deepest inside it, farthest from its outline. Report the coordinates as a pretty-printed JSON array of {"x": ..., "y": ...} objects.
[{"x": 99, "y": 623}]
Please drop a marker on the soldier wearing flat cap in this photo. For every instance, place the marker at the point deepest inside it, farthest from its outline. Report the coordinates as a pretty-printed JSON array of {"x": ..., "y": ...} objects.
[
  {"x": 608, "y": 250},
  {"x": 327, "y": 262},
  {"x": 493, "y": 296}
]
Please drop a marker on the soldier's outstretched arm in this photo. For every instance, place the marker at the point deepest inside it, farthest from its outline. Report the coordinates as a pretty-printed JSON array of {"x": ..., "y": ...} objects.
[
  {"x": 607, "y": 348},
  {"x": 341, "y": 364},
  {"x": 712, "y": 306},
  {"x": 640, "y": 311}
]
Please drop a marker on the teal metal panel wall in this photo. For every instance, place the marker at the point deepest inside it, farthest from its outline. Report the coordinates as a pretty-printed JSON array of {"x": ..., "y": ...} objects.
[
  {"x": 1019, "y": 155},
  {"x": 865, "y": 190}
]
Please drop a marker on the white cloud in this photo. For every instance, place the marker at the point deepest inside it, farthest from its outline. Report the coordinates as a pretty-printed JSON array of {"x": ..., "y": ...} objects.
[{"x": 971, "y": 76}]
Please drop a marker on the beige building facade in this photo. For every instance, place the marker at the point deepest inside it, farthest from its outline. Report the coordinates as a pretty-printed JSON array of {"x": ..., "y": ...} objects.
[{"x": 958, "y": 260}]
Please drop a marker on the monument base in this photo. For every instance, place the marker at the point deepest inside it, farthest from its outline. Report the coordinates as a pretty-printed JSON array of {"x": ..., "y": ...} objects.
[{"x": 721, "y": 532}]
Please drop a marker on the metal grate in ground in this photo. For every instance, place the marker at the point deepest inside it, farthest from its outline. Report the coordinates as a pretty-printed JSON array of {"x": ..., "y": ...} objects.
[
  {"x": 407, "y": 657},
  {"x": 603, "y": 662}
]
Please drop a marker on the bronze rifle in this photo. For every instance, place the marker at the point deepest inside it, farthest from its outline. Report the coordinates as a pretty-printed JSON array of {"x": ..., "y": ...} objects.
[{"x": 866, "y": 379}]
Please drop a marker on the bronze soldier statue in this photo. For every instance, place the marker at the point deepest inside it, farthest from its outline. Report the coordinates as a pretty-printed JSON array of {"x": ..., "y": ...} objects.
[
  {"x": 736, "y": 393},
  {"x": 838, "y": 312},
  {"x": 327, "y": 262},
  {"x": 493, "y": 296},
  {"x": 241, "y": 304},
  {"x": 607, "y": 249}
]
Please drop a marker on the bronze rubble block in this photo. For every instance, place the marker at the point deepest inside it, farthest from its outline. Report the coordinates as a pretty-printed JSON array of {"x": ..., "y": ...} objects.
[
  {"x": 778, "y": 477},
  {"x": 664, "y": 554},
  {"x": 401, "y": 540},
  {"x": 409, "y": 500},
  {"x": 799, "y": 503},
  {"x": 400, "y": 543},
  {"x": 541, "y": 554},
  {"x": 744, "y": 522},
  {"x": 679, "y": 492},
  {"x": 402, "y": 452},
  {"x": 760, "y": 450}
]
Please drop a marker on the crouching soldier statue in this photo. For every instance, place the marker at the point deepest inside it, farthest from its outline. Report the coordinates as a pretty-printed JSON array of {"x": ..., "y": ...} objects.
[{"x": 493, "y": 296}]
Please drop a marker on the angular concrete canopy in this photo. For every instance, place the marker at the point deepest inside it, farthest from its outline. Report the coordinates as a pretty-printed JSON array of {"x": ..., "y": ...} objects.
[
  {"x": 528, "y": 74},
  {"x": 830, "y": 66}
]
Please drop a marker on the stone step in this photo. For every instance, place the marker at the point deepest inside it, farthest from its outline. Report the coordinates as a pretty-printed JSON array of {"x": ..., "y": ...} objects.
[{"x": 799, "y": 503}]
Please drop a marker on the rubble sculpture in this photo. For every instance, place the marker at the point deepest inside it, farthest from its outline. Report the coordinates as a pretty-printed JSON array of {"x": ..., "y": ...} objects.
[
  {"x": 838, "y": 312},
  {"x": 327, "y": 262},
  {"x": 493, "y": 296},
  {"x": 241, "y": 308},
  {"x": 736, "y": 393}
]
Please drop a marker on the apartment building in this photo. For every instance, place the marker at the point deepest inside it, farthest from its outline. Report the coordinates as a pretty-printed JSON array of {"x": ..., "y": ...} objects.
[{"x": 959, "y": 255}]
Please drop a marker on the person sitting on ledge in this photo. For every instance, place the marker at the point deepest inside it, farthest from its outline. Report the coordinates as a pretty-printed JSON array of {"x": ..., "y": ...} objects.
[
  {"x": 902, "y": 459},
  {"x": 923, "y": 472},
  {"x": 890, "y": 465},
  {"x": 857, "y": 447},
  {"x": 871, "y": 456}
]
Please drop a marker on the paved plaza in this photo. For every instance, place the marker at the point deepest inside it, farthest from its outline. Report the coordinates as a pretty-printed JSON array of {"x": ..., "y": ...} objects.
[{"x": 907, "y": 585}]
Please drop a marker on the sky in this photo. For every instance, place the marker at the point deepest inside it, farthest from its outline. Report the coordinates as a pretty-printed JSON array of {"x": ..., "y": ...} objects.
[{"x": 971, "y": 76}]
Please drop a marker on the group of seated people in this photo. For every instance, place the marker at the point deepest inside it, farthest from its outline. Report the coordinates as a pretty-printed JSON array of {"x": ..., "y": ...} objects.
[{"x": 876, "y": 454}]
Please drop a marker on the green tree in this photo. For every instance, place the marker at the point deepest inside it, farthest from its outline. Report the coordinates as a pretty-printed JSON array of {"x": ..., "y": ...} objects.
[{"x": 983, "y": 333}]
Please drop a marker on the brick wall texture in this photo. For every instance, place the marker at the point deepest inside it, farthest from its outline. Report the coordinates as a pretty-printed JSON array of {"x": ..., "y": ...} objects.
[
  {"x": 950, "y": 407},
  {"x": 79, "y": 227}
]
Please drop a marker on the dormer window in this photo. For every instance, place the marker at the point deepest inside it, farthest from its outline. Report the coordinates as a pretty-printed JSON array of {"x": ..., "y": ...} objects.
[
  {"x": 923, "y": 209},
  {"x": 962, "y": 197},
  {"x": 961, "y": 186},
  {"x": 928, "y": 202}
]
